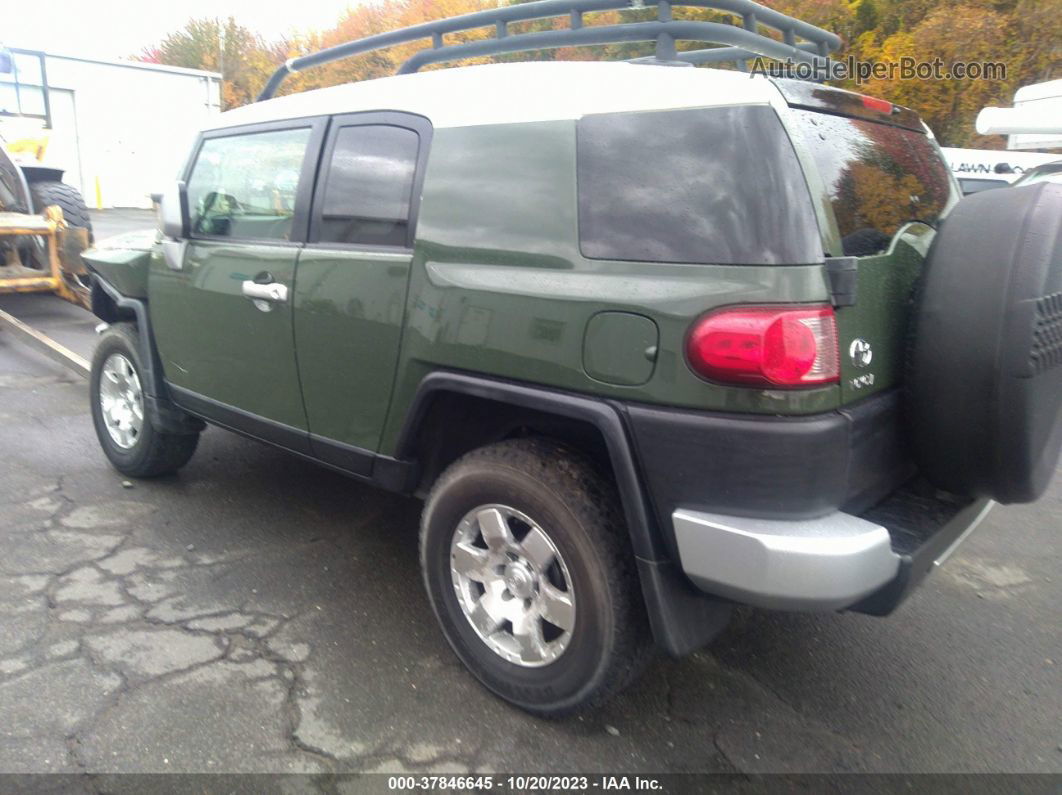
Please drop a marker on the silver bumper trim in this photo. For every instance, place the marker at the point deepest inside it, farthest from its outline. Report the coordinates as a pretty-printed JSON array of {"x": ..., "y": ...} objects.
[{"x": 817, "y": 564}]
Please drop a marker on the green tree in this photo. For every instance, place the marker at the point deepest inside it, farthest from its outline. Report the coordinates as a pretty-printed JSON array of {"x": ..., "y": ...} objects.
[{"x": 866, "y": 15}]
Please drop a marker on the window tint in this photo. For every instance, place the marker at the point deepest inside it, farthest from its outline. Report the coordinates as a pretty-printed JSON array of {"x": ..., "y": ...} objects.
[
  {"x": 878, "y": 177},
  {"x": 244, "y": 186},
  {"x": 712, "y": 185},
  {"x": 369, "y": 186}
]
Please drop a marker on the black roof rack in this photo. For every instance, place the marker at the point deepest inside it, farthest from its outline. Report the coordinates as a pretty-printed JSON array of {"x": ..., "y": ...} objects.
[{"x": 740, "y": 43}]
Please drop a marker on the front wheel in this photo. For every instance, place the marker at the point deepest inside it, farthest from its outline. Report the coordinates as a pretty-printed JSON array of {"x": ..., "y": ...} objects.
[
  {"x": 129, "y": 440},
  {"x": 529, "y": 570}
]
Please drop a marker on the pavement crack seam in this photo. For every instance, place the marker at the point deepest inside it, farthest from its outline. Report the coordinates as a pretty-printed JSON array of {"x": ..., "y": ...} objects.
[
  {"x": 726, "y": 757},
  {"x": 293, "y": 713}
]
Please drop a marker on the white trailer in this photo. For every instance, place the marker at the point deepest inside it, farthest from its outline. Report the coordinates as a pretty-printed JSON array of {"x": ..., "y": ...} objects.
[{"x": 983, "y": 169}]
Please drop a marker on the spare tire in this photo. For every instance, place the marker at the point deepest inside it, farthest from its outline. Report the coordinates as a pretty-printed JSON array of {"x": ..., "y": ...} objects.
[{"x": 985, "y": 362}]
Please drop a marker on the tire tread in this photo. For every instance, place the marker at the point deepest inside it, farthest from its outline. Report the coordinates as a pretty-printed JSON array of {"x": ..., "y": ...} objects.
[
  {"x": 593, "y": 499},
  {"x": 68, "y": 198},
  {"x": 165, "y": 452}
]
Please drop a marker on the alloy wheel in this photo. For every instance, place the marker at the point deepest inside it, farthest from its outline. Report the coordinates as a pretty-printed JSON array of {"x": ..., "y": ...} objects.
[{"x": 513, "y": 585}]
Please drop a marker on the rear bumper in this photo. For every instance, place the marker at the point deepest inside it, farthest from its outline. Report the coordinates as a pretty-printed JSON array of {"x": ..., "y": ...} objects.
[
  {"x": 771, "y": 467},
  {"x": 867, "y": 563}
]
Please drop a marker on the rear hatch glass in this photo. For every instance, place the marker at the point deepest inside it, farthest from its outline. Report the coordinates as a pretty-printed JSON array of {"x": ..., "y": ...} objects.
[{"x": 877, "y": 177}]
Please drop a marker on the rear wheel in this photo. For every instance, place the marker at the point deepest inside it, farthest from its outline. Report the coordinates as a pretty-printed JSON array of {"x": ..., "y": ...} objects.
[
  {"x": 528, "y": 567},
  {"x": 129, "y": 440}
]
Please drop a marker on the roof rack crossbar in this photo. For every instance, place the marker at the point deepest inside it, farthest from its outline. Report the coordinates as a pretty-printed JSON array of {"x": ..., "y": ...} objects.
[
  {"x": 727, "y": 54},
  {"x": 743, "y": 41}
]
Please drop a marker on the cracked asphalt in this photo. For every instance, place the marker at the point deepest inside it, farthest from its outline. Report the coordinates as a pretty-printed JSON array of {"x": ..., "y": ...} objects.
[{"x": 257, "y": 613}]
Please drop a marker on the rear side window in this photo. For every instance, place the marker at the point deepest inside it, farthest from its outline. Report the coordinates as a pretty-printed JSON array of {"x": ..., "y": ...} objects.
[
  {"x": 369, "y": 186},
  {"x": 244, "y": 186},
  {"x": 878, "y": 177},
  {"x": 708, "y": 185}
]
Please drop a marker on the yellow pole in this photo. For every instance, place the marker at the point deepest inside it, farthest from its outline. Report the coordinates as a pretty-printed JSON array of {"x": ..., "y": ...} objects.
[{"x": 99, "y": 195}]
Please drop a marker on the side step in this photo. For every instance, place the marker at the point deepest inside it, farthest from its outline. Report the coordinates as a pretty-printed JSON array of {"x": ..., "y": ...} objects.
[{"x": 44, "y": 344}]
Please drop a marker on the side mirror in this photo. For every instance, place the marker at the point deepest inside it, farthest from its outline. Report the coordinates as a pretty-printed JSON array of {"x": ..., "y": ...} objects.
[{"x": 173, "y": 211}]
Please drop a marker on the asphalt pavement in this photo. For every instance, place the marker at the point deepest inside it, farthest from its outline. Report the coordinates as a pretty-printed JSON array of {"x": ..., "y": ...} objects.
[{"x": 256, "y": 613}]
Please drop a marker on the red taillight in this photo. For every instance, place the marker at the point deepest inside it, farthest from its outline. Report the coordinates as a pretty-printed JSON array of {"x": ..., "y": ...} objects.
[
  {"x": 767, "y": 346},
  {"x": 880, "y": 105}
]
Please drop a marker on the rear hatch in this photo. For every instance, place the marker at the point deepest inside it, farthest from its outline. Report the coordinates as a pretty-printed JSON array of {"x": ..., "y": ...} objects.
[{"x": 882, "y": 186}]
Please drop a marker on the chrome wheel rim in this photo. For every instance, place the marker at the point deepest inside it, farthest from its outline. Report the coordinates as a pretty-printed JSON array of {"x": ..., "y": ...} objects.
[
  {"x": 513, "y": 585},
  {"x": 121, "y": 401}
]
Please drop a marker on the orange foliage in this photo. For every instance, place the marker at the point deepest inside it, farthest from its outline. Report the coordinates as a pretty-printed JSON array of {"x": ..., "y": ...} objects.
[{"x": 1022, "y": 34}]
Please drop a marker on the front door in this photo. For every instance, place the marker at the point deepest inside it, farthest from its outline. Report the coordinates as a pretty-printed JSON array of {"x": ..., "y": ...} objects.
[
  {"x": 350, "y": 292},
  {"x": 222, "y": 314}
]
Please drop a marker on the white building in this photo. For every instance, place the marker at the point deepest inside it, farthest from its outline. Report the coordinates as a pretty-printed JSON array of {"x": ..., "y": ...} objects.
[{"x": 119, "y": 129}]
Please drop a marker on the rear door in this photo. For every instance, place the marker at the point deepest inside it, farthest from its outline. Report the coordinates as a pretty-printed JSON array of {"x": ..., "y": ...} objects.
[
  {"x": 352, "y": 275},
  {"x": 884, "y": 187},
  {"x": 223, "y": 315}
]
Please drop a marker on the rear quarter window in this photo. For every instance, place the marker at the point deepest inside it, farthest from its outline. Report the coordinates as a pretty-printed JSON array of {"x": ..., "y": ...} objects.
[{"x": 706, "y": 185}]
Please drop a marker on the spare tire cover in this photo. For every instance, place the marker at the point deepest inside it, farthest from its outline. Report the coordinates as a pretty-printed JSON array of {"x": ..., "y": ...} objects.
[{"x": 984, "y": 375}]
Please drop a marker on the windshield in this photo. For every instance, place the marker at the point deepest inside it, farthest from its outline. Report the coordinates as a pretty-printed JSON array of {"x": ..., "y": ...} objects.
[{"x": 878, "y": 177}]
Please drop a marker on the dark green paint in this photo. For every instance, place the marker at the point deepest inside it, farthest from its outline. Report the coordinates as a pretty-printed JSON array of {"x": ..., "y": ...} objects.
[
  {"x": 349, "y": 307},
  {"x": 612, "y": 344},
  {"x": 215, "y": 341},
  {"x": 124, "y": 261},
  {"x": 496, "y": 285},
  {"x": 881, "y": 314}
]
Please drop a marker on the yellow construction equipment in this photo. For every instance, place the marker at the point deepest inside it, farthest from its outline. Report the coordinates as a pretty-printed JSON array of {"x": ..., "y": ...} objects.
[
  {"x": 44, "y": 223},
  {"x": 55, "y": 244}
]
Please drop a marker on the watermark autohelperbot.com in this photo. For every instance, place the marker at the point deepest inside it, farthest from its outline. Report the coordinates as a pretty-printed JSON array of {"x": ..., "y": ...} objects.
[{"x": 904, "y": 68}]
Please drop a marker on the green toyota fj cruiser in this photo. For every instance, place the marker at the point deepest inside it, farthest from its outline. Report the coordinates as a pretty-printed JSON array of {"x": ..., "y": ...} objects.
[{"x": 651, "y": 341}]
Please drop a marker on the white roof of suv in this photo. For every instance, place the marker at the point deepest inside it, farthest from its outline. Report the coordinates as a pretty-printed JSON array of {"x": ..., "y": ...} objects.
[{"x": 519, "y": 92}]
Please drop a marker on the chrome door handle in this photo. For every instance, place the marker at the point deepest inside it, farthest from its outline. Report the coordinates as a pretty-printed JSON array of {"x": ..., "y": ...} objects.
[{"x": 273, "y": 291}]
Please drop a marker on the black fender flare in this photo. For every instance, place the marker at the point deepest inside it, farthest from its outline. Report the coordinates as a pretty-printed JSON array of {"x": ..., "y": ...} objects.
[
  {"x": 682, "y": 618},
  {"x": 162, "y": 412}
]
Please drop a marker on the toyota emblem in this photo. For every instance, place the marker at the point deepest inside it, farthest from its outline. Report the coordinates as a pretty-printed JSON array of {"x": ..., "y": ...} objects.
[{"x": 860, "y": 352}]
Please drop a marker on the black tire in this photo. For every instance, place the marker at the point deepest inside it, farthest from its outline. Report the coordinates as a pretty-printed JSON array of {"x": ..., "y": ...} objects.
[
  {"x": 609, "y": 641},
  {"x": 153, "y": 453},
  {"x": 985, "y": 361},
  {"x": 49, "y": 192}
]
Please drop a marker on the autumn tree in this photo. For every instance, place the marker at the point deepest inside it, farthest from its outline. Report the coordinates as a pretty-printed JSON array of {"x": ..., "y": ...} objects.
[
  {"x": 1024, "y": 35},
  {"x": 240, "y": 55}
]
